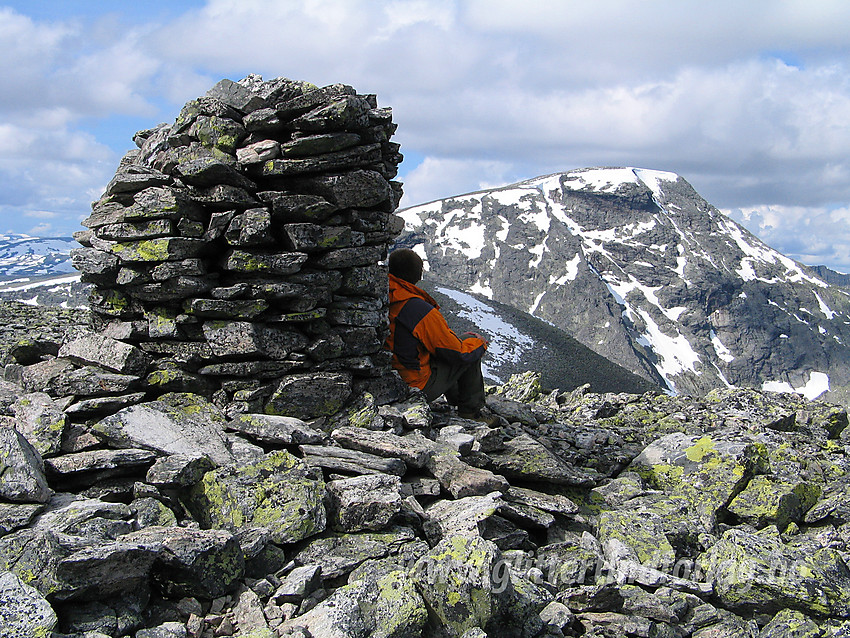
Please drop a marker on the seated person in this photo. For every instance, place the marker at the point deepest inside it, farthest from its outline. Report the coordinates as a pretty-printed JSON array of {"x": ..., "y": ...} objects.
[{"x": 426, "y": 353}]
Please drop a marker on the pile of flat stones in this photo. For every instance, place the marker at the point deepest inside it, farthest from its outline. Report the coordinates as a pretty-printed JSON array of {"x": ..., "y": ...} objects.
[{"x": 238, "y": 250}]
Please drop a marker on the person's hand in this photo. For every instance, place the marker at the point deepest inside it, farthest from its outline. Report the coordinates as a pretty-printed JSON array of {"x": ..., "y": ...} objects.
[{"x": 477, "y": 336}]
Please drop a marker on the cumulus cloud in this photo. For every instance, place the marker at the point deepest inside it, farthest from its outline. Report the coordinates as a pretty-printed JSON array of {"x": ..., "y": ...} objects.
[
  {"x": 436, "y": 178},
  {"x": 811, "y": 235},
  {"x": 752, "y": 107}
]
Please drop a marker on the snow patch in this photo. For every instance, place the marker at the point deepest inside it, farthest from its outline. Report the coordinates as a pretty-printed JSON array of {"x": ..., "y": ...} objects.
[
  {"x": 817, "y": 384},
  {"x": 507, "y": 343}
]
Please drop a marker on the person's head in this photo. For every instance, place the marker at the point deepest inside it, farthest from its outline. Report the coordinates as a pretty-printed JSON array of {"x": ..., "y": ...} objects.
[{"x": 406, "y": 264}]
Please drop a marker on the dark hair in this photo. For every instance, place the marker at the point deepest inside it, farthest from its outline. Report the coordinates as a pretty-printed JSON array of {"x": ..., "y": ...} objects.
[{"x": 406, "y": 264}]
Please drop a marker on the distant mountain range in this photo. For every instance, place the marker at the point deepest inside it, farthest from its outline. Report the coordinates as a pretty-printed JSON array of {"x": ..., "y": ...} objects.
[
  {"x": 26, "y": 256},
  {"x": 636, "y": 266}
]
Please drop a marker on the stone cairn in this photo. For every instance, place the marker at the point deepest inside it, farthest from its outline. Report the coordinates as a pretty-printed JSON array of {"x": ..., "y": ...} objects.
[{"x": 237, "y": 253}]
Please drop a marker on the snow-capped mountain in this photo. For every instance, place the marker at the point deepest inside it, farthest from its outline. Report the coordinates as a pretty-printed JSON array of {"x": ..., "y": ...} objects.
[
  {"x": 638, "y": 267},
  {"x": 25, "y": 256}
]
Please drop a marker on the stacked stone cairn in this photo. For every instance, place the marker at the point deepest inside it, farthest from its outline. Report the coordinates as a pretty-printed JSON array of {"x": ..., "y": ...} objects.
[{"x": 237, "y": 252}]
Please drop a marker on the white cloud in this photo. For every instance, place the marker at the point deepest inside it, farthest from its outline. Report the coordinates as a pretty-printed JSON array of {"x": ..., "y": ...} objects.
[
  {"x": 810, "y": 235},
  {"x": 752, "y": 107},
  {"x": 436, "y": 178}
]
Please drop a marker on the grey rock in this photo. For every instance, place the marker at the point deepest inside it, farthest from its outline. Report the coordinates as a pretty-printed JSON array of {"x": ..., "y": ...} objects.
[
  {"x": 366, "y": 502},
  {"x": 87, "y": 518},
  {"x": 237, "y": 96},
  {"x": 165, "y": 630},
  {"x": 414, "y": 450},
  {"x": 178, "y": 470},
  {"x": 525, "y": 458},
  {"x": 88, "y": 381},
  {"x": 192, "y": 562},
  {"x": 758, "y": 571},
  {"x": 340, "y": 554},
  {"x": 555, "y": 503},
  {"x": 462, "y": 480},
  {"x": 14, "y": 516},
  {"x": 309, "y": 396},
  {"x": 467, "y": 585},
  {"x": 22, "y": 478},
  {"x": 298, "y": 584},
  {"x": 313, "y": 237},
  {"x": 250, "y": 228},
  {"x": 177, "y": 423},
  {"x": 41, "y": 421},
  {"x": 271, "y": 428},
  {"x": 276, "y": 491},
  {"x": 245, "y": 262},
  {"x": 107, "y": 569},
  {"x": 389, "y": 607},
  {"x": 91, "y": 261},
  {"x": 134, "y": 178},
  {"x": 355, "y": 189},
  {"x": 24, "y": 612},
  {"x": 350, "y": 461},
  {"x": 87, "y": 347},
  {"x": 249, "y": 338}
]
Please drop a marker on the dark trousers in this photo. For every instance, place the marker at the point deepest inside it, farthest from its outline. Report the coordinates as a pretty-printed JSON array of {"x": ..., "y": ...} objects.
[{"x": 463, "y": 384}]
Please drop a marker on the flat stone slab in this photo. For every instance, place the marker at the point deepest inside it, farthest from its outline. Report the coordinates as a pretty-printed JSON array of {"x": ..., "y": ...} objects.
[{"x": 177, "y": 423}]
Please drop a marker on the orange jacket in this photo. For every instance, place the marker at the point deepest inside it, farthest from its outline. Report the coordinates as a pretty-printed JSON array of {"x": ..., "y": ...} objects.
[{"x": 418, "y": 331}]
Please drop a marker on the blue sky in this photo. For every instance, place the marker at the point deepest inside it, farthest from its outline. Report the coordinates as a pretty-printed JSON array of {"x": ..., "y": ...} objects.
[{"x": 748, "y": 101}]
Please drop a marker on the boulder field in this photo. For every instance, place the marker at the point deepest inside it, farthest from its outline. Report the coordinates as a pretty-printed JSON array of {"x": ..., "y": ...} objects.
[{"x": 580, "y": 514}]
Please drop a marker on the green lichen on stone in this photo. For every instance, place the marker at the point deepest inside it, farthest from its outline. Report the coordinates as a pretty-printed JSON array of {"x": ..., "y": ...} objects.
[
  {"x": 147, "y": 250},
  {"x": 398, "y": 609},
  {"x": 162, "y": 377},
  {"x": 700, "y": 449},
  {"x": 641, "y": 532},
  {"x": 274, "y": 493}
]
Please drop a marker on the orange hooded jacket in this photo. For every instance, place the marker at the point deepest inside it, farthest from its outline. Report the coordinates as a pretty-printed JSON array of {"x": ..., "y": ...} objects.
[{"x": 418, "y": 331}]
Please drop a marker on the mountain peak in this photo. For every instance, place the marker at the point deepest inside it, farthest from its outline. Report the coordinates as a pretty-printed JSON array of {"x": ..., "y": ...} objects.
[{"x": 637, "y": 266}]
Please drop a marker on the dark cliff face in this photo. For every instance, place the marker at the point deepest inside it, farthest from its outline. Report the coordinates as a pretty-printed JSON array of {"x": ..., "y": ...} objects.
[{"x": 637, "y": 266}]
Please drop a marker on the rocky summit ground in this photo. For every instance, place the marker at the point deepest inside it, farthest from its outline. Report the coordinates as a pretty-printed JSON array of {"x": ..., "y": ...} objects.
[{"x": 128, "y": 512}]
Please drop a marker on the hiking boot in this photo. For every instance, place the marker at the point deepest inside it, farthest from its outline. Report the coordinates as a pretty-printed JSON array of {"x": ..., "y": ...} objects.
[{"x": 488, "y": 419}]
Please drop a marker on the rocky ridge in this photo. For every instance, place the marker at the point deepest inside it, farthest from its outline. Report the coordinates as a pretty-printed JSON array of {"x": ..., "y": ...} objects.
[{"x": 581, "y": 514}]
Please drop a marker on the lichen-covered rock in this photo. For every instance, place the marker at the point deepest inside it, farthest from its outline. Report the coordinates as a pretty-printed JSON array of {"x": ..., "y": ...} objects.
[
  {"x": 769, "y": 500},
  {"x": 308, "y": 396},
  {"x": 524, "y": 458},
  {"x": 466, "y": 584},
  {"x": 413, "y": 449},
  {"x": 277, "y": 492},
  {"x": 191, "y": 562},
  {"x": 462, "y": 480},
  {"x": 758, "y": 571},
  {"x": 24, "y": 612},
  {"x": 338, "y": 555},
  {"x": 22, "y": 478},
  {"x": 707, "y": 470},
  {"x": 39, "y": 419},
  {"x": 178, "y": 470},
  {"x": 790, "y": 623},
  {"x": 270, "y": 428},
  {"x": 365, "y": 502},
  {"x": 389, "y": 607},
  {"x": 87, "y": 347},
  {"x": 177, "y": 423},
  {"x": 87, "y": 518}
]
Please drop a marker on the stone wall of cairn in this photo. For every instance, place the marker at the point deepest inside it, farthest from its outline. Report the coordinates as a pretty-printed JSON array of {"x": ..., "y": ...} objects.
[{"x": 240, "y": 250}]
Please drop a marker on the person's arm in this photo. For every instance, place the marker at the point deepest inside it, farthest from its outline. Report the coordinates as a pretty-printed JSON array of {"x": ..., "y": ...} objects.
[{"x": 434, "y": 333}]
